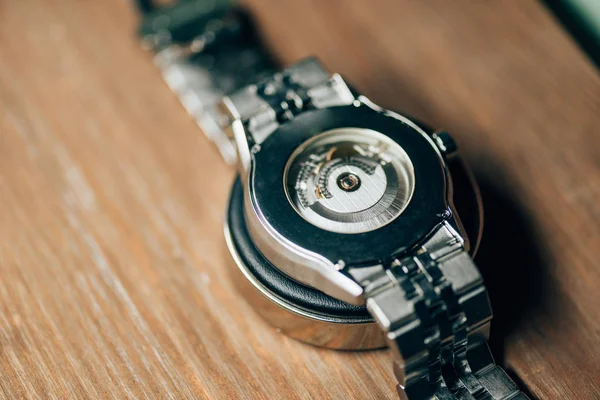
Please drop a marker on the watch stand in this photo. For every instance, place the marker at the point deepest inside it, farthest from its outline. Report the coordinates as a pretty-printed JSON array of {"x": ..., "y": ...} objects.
[{"x": 307, "y": 314}]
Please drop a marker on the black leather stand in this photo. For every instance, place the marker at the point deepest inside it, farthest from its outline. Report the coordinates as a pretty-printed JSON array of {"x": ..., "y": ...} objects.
[{"x": 467, "y": 204}]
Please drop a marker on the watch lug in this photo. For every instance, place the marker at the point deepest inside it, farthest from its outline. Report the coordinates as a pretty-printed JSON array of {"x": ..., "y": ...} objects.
[
  {"x": 454, "y": 220},
  {"x": 342, "y": 287},
  {"x": 243, "y": 148},
  {"x": 457, "y": 224},
  {"x": 444, "y": 239},
  {"x": 234, "y": 129}
]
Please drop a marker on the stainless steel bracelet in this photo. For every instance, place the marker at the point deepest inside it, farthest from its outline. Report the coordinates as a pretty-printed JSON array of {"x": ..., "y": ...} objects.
[
  {"x": 224, "y": 57},
  {"x": 435, "y": 312},
  {"x": 206, "y": 50},
  {"x": 432, "y": 305},
  {"x": 262, "y": 107}
]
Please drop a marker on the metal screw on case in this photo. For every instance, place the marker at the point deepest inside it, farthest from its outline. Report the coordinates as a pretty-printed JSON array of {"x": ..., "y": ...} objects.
[{"x": 428, "y": 299}]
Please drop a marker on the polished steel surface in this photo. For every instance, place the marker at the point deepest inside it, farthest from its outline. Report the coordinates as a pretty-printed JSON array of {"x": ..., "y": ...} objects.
[{"x": 330, "y": 331}]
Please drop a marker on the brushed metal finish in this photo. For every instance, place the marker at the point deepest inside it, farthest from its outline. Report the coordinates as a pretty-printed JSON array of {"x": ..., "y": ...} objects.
[{"x": 383, "y": 176}]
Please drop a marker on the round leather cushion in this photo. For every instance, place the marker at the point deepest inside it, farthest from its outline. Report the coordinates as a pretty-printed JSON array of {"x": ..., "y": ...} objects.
[
  {"x": 273, "y": 279},
  {"x": 467, "y": 203}
]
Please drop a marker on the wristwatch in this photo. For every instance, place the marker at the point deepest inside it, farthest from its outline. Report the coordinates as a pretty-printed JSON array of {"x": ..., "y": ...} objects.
[{"x": 342, "y": 222}]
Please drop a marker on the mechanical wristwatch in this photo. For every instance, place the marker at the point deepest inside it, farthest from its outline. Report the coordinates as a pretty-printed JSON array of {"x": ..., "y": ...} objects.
[{"x": 344, "y": 219}]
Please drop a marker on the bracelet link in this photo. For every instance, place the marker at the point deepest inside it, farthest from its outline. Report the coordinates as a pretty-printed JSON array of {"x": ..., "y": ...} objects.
[
  {"x": 436, "y": 320},
  {"x": 306, "y": 85},
  {"x": 205, "y": 52}
]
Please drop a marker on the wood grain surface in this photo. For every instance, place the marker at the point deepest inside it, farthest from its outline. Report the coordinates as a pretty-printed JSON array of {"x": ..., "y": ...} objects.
[{"x": 113, "y": 266}]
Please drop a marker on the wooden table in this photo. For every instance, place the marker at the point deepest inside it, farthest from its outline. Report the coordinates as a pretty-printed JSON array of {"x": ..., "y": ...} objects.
[{"x": 113, "y": 266}]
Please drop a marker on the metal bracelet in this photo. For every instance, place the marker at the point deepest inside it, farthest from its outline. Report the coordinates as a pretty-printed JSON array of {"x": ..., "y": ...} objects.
[
  {"x": 206, "y": 51},
  {"x": 432, "y": 306},
  {"x": 223, "y": 56},
  {"x": 435, "y": 313},
  {"x": 262, "y": 107}
]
